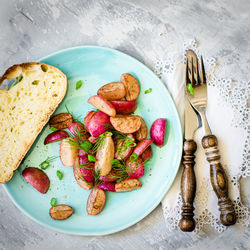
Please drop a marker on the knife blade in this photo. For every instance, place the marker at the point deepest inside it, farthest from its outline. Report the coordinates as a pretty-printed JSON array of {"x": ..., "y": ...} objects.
[{"x": 188, "y": 180}]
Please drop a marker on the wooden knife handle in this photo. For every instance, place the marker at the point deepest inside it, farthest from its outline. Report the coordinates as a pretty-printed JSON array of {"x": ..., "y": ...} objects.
[
  {"x": 219, "y": 180},
  {"x": 188, "y": 187}
]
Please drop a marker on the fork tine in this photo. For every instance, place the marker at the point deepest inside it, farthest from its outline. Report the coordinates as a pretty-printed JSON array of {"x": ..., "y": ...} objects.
[
  {"x": 197, "y": 79},
  {"x": 186, "y": 77},
  {"x": 203, "y": 75},
  {"x": 192, "y": 72}
]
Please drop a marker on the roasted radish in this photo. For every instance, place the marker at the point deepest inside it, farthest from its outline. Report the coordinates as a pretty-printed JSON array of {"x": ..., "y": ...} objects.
[
  {"x": 158, "y": 131},
  {"x": 37, "y": 179},
  {"x": 69, "y": 151},
  {"x": 127, "y": 185},
  {"x": 112, "y": 91},
  {"x": 147, "y": 154},
  {"x": 142, "y": 133},
  {"x": 107, "y": 186},
  {"x": 98, "y": 124},
  {"x": 56, "y": 136},
  {"x": 124, "y": 146},
  {"x": 96, "y": 201},
  {"x": 142, "y": 146},
  {"x": 124, "y": 107},
  {"x": 131, "y": 85},
  {"x": 135, "y": 169}
]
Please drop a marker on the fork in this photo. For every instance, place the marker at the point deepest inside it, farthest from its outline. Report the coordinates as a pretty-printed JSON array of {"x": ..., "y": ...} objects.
[{"x": 198, "y": 99}]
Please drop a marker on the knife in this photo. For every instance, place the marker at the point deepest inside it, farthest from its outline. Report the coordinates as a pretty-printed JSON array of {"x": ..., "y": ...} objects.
[{"x": 188, "y": 181}]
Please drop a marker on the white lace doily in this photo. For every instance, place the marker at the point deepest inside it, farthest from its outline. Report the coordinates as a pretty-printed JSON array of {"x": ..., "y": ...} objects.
[{"x": 227, "y": 114}]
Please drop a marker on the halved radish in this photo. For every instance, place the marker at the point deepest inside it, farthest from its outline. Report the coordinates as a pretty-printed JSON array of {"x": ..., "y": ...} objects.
[
  {"x": 107, "y": 186},
  {"x": 98, "y": 124},
  {"x": 158, "y": 131},
  {"x": 125, "y": 107},
  {"x": 55, "y": 136},
  {"x": 77, "y": 130},
  {"x": 142, "y": 146},
  {"x": 147, "y": 154},
  {"x": 121, "y": 151},
  {"x": 37, "y": 179},
  {"x": 102, "y": 104},
  {"x": 112, "y": 91},
  {"x": 87, "y": 119},
  {"x": 135, "y": 169},
  {"x": 111, "y": 177},
  {"x": 131, "y": 85},
  {"x": 80, "y": 180},
  {"x": 142, "y": 133}
]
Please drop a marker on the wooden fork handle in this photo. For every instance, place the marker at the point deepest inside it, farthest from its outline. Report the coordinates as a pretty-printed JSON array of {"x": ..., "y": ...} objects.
[
  {"x": 219, "y": 180},
  {"x": 188, "y": 187}
]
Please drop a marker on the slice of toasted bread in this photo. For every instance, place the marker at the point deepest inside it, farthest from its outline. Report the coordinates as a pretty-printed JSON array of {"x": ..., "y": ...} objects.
[{"x": 24, "y": 110}]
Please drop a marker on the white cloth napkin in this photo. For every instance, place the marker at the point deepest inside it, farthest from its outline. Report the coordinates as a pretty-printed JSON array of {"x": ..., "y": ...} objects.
[{"x": 220, "y": 116}]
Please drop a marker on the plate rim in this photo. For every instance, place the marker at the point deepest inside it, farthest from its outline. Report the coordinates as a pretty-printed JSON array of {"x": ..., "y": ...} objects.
[{"x": 169, "y": 184}]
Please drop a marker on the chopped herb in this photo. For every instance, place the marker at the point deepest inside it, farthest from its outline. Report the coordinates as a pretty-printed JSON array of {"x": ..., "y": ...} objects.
[
  {"x": 86, "y": 146},
  {"x": 119, "y": 168},
  {"x": 115, "y": 161},
  {"x": 148, "y": 91},
  {"x": 53, "y": 202},
  {"x": 97, "y": 176},
  {"x": 53, "y": 129},
  {"x": 91, "y": 158},
  {"x": 134, "y": 157},
  {"x": 190, "y": 88},
  {"x": 45, "y": 164},
  {"x": 59, "y": 174},
  {"x": 78, "y": 84}
]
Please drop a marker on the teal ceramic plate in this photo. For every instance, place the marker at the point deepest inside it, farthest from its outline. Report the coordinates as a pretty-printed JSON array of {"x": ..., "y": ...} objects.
[{"x": 96, "y": 66}]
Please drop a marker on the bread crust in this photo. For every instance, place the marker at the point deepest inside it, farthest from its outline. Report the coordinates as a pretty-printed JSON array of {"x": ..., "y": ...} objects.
[{"x": 15, "y": 71}]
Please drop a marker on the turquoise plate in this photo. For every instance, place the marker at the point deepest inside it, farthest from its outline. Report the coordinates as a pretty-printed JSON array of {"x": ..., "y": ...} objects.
[{"x": 96, "y": 66}]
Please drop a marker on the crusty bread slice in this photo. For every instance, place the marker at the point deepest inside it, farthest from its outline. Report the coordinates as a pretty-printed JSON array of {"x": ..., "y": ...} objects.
[{"x": 24, "y": 110}]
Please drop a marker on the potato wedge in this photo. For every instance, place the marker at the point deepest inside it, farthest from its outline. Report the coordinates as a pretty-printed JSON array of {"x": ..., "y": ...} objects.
[
  {"x": 96, "y": 201},
  {"x": 127, "y": 185},
  {"x": 142, "y": 133},
  {"x": 131, "y": 85},
  {"x": 126, "y": 124},
  {"x": 112, "y": 91},
  {"x": 60, "y": 212},
  {"x": 102, "y": 104},
  {"x": 104, "y": 156},
  {"x": 68, "y": 152},
  {"x": 124, "y": 107}
]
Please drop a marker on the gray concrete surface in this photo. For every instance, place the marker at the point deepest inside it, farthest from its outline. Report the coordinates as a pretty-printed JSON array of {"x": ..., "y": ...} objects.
[{"x": 147, "y": 30}]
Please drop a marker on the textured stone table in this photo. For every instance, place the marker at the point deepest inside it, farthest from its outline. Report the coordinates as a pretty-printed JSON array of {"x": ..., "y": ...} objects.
[{"x": 142, "y": 28}]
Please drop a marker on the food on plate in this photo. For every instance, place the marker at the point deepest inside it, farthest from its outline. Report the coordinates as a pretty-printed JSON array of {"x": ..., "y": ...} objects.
[
  {"x": 147, "y": 154},
  {"x": 105, "y": 155},
  {"x": 87, "y": 119},
  {"x": 131, "y": 85},
  {"x": 34, "y": 95},
  {"x": 135, "y": 169},
  {"x": 69, "y": 151},
  {"x": 77, "y": 130},
  {"x": 142, "y": 146},
  {"x": 37, "y": 179},
  {"x": 61, "y": 121},
  {"x": 109, "y": 151},
  {"x": 126, "y": 124},
  {"x": 124, "y": 146},
  {"x": 142, "y": 133},
  {"x": 124, "y": 107},
  {"x": 107, "y": 186},
  {"x": 56, "y": 136},
  {"x": 112, "y": 91},
  {"x": 102, "y": 104},
  {"x": 127, "y": 185},
  {"x": 158, "y": 131},
  {"x": 96, "y": 201},
  {"x": 98, "y": 124},
  {"x": 80, "y": 179},
  {"x": 60, "y": 212}
]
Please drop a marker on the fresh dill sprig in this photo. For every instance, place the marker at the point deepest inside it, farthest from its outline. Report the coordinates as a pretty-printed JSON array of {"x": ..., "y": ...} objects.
[
  {"x": 100, "y": 141},
  {"x": 119, "y": 168}
]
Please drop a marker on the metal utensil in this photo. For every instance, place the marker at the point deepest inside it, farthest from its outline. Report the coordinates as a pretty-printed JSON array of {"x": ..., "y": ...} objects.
[
  {"x": 198, "y": 100},
  {"x": 188, "y": 180}
]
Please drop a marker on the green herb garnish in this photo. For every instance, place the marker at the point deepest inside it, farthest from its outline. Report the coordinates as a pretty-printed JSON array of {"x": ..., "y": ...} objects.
[
  {"x": 53, "y": 129},
  {"x": 100, "y": 141},
  {"x": 17, "y": 80},
  {"x": 78, "y": 84},
  {"x": 190, "y": 88},
  {"x": 59, "y": 174},
  {"x": 148, "y": 91},
  {"x": 119, "y": 168},
  {"x": 45, "y": 164},
  {"x": 86, "y": 146},
  {"x": 134, "y": 157},
  {"x": 91, "y": 158},
  {"x": 53, "y": 202}
]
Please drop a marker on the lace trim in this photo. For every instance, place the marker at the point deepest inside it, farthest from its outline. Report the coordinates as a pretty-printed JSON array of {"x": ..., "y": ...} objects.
[{"x": 236, "y": 94}]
